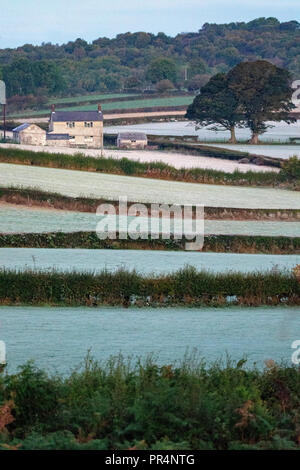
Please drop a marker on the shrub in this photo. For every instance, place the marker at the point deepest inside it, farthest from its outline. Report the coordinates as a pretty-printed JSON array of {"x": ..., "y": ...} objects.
[
  {"x": 291, "y": 169},
  {"x": 124, "y": 404}
]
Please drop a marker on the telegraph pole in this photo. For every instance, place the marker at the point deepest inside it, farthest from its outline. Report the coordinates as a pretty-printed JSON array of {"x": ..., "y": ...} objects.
[
  {"x": 4, "y": 122},
  {"x": 185, "y": 73}
]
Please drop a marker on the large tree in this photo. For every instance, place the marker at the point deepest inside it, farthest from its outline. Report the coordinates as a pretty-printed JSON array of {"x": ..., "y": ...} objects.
[
  {"x": 264, "y": 93},
  {"x": 24, "y": 77},
  {"x": 161, "y": 69},
  {"x": 216, "y": 104}
]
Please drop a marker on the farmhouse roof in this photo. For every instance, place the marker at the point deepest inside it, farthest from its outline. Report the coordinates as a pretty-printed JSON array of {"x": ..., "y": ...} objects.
[
  {"x": 79, "y": 116},
  {"x": 21, "y": 127},
  {"x": 132, "y": 136},
  {"x": 57, "y": 137}
]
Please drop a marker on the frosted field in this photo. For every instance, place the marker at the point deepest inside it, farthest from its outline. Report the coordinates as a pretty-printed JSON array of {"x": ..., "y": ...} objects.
[
  {"x": 21, "y": 219},
  {"x": 275, "y": 151},
  {"x": 280, "y": 132},
  {"x": 58, "y": 339},
  {"x": 145, "y": 261},
  {"x": 111, "y": 187},
  {"x": 177, "y": 160}
]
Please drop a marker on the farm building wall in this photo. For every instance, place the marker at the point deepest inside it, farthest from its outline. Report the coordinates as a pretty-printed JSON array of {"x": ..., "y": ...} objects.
[
  {"x": 32, "y": 135},
  {"x": 128, "y": 144},
  {"x": 58, "y": 143},
  {"x": 132, "y": 140},
  {"x": 80, "y": 135}
]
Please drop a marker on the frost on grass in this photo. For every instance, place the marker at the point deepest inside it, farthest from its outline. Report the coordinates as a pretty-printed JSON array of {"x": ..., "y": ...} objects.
[{"x": 107, "y": 186}]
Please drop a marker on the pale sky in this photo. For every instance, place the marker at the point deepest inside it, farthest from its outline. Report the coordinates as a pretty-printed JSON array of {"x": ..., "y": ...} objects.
[{"x": 58, "y": 21}]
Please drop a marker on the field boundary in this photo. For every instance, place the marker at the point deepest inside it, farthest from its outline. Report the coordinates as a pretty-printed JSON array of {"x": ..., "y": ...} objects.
[
  {"x": 212, "y": 243},
  {"x": 37, "y": 198},
  {"x": 186, "y": 286}
]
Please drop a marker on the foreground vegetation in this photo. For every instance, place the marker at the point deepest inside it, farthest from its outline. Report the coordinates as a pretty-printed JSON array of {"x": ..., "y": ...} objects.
[
  {"x": 186, "y": 286},
  {"x": 288, "y": 177},
  {"x": 137, "y": 405},
  {"x": 212, "y": 243}
]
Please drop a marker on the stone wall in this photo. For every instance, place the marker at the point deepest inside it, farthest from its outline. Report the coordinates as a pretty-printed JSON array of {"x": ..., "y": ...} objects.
[{"x": 58, "y": 143}]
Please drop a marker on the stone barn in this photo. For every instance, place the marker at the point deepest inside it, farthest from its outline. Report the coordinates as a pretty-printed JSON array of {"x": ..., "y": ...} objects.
[
  {"x": 132, "y": 140},
  {"x": 29, "y": 134}
]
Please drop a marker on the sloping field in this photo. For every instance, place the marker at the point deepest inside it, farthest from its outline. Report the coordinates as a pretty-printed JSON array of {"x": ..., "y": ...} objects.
[
  {"x": 130, "y": 104},
  {"x": 86, "y": 98},
  {"x": 142, "y": 103},
  {"x": 22, "y": 219},
  {"x": 111, "y": 187}
]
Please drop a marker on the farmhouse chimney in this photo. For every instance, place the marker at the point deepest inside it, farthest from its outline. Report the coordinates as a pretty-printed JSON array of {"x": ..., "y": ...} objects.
[
  {"x": 53, "y": 108},
  {"x": 99, "y": 108}
]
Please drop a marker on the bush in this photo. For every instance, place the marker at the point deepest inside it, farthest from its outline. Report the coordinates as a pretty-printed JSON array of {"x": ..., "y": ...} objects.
[
  {"x": 124, "y": 404},
  {"x": 186, "y": 286},
  {"x": 291, "y": 169}
]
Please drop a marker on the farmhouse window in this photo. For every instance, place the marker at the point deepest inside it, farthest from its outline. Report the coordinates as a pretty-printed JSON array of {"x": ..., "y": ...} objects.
[
  {"x": 88, "y": 124},
  {"x": 71, "y": 124}
]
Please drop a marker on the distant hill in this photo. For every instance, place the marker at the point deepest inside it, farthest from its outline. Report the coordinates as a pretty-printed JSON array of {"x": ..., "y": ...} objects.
[{"x": 79, "y": 67}]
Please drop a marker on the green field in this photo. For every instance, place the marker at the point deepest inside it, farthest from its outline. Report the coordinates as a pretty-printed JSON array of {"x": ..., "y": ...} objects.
[
  {"x": 85, "y": 98},
  {"x": 143, "y": 103},
  {"x": 130, "y": 104}
]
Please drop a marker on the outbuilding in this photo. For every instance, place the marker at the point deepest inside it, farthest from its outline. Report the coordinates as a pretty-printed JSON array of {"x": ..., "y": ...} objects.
[
  {"x": 29, "y": 134},
  {"x": 132, "y": 140}
]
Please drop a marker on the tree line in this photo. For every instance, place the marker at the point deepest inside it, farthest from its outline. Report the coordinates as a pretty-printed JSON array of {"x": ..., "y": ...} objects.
[{"x": 135, "y": 61}]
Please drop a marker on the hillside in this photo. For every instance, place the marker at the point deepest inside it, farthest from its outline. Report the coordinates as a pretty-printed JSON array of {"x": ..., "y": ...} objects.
[{"x": 124, "y": 62}]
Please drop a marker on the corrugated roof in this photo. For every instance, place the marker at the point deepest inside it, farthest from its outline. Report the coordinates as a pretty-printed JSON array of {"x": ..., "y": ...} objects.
[
  {"x": 57, "y": 137},
  {"x": 21, "y": 127},
  {"x": 132, "y": 136},
  {"x": 79, "y": 116}
]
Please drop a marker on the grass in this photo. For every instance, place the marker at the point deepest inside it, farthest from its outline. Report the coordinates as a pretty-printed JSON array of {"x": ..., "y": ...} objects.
[
  {"x": 186, "y": 286},
  {"x": 213, "y": 243},
  {"x": 122, "y": 105},
  {"x": 145, "y": 103},
  {"x": 158, "y": 170},
  {"x": 135, "y": 404},
  {"x": 93, "y": 97}
]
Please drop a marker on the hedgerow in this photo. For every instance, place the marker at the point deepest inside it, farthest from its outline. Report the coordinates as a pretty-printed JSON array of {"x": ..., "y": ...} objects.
[{"x": 186, "y": 286}]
